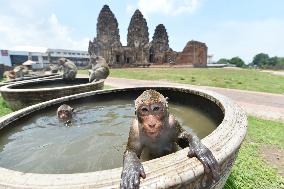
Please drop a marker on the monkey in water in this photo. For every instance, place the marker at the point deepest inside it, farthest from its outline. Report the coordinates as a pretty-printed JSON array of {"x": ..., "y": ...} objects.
[
  {"x": 69, "y": 69},
  {"x": 156, "y": 130},
  {"x": 65, "y": 113},
  {"x": 100, "y": 69}
]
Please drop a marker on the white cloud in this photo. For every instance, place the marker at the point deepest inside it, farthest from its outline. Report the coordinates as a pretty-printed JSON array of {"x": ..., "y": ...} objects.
[
  {"x": 245, "y": 39},
  {"x": 23, "y": 25},
  {"x": 167, "y": 7}
]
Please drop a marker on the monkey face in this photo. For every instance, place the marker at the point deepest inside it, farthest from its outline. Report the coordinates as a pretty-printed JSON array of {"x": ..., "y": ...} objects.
[
  {"x": 151, "y": 117},
  {"x": 64, "y": 115}
]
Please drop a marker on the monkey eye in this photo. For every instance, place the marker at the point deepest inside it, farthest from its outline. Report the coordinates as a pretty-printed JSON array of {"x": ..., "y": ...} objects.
[
  {"x": 156, "y": 108},
  {"x": 144, "y": 109}
]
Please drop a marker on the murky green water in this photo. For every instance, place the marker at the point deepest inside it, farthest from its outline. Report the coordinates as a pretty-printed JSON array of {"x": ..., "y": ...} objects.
[{"x": 95, "y": 141}]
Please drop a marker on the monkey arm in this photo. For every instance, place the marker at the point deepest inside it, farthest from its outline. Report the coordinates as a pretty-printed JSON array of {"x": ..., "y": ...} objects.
[
  {"x": 132, "y": 167},
  {"x": 198, "y": 150}
]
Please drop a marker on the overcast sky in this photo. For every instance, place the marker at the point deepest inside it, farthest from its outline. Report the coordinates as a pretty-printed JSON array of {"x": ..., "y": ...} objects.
[{"x": 229, "y": 28}]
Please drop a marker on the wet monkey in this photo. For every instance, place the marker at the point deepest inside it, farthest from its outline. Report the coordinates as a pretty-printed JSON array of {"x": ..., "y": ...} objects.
[
  {"x": 65, "y": 113},
  {"x": 158, "y": 131}
]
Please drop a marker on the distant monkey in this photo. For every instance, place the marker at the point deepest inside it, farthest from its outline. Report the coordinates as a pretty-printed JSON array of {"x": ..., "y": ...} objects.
[
  {"x": 158, "y": 131},
  {"x": 69, "y": 69},
  {"x": 65, "y": 113},
  {"x": 20, "y": 71},
  {"x": 9, "y": 74},
  {"x": 54, "y": 68},
  {"x": 100, "y": 69}
]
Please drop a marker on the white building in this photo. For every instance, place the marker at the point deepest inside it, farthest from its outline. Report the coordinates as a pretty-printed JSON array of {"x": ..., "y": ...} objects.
[
  {"x": 42, "y": 59},
  {"x": 80, "y": 58}
]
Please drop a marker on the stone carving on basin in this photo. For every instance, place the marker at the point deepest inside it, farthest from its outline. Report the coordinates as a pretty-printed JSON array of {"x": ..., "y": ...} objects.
[
  {"x": 171, "y": 171},
  {"x": 23, "y": 94}
]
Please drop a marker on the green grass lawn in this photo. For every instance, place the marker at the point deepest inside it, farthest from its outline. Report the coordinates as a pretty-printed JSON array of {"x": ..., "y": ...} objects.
[
  {"x": 244, "y": 79},
  {"x": 250, "y": 170}
]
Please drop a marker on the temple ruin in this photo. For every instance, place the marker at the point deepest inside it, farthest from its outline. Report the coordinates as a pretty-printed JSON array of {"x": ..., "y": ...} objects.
[
  {"x": 139, "y": 50},
  {"x": 194, "y": 53}
]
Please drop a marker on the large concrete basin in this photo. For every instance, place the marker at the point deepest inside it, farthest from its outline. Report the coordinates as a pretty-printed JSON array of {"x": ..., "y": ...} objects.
[
  {"x": 23, "y": 94},
  {"x": 47, "y": 76},
  {"x": 172, "y": 171}
]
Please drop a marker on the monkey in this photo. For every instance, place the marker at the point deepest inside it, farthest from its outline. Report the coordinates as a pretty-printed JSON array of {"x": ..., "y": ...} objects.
[
  {"x": 157, "y": 130},
  {"x": 69, "y": 69},
  {"x": 9, "y": 75},
  {"x": 20, "y": 71},
  {"x": 65, "y": 113},
  {"x": 100, "y": 69},
  {"x": 54, "y": 68}
]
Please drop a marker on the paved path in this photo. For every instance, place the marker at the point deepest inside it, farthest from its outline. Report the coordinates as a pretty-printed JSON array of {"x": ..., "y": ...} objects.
[{"x": 263, "y": 105}]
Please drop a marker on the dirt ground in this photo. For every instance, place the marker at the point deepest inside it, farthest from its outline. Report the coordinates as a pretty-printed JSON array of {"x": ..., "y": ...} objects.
[
  {"x": 274, "y": 157},
  {"x": 274, "y": 72}
]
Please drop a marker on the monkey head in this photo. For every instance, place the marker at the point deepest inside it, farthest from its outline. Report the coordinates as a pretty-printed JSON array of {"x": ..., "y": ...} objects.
[
  {"x": 61, "y": 61},
  {"x": 151, "y": 109},
  {"x": 64, "y": 113},
  {"x": 93, "y": 59}
]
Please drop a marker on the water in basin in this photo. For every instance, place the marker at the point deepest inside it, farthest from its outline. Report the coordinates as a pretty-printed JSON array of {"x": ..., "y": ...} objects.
[{"x": 95, "y": 141}]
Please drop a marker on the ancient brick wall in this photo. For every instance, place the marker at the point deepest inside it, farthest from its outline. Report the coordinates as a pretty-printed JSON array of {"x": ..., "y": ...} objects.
[{"x": 194, "y": 53}]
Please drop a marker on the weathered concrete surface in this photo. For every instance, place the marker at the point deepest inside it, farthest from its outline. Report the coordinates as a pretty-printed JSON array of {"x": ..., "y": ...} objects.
[
  {"x": 262, "y": 105},
  {"x": 18, "y": 98}
]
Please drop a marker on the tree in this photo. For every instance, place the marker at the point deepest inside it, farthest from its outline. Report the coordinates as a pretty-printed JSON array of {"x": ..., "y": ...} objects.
[
  {"x": 260, "y": 59},
  {"x": 273, "y": 61},
  {"x": 223, "y": 61},
  {"x": 237, "y": 61}
]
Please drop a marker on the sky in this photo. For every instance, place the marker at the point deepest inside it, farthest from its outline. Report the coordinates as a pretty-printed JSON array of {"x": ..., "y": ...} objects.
[{"x": 230, "y": 28}]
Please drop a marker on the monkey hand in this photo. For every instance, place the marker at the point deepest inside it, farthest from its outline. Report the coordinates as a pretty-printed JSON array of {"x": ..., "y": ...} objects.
[
  {"x": 205, "y": 156},
  {"x": 130, "y": 176}
]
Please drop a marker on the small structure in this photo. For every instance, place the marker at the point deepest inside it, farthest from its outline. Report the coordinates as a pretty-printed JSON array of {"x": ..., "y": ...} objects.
[{"x": 30, "y": 64}]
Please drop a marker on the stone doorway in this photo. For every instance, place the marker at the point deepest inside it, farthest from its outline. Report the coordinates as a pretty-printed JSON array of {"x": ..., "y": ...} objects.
[
  {"x": 151, "y": 58},
  {"x": 117, "y": 58}
]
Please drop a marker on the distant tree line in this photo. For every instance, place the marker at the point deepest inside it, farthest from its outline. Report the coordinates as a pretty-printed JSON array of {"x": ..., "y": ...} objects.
[
  {"x": 260, "y": 60},
  {"x": 237, "y": 61}
]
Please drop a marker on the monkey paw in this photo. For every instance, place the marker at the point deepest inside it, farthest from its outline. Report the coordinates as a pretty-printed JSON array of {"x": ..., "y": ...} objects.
[
  {"x": 205, "y": 156},
  {"x": 130, "y": 176}
]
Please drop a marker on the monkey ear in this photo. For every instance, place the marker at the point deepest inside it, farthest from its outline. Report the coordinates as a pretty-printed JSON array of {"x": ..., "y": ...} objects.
[
  {"x": 72, "y": 109},
  {"x": 167, "y": 98}
]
